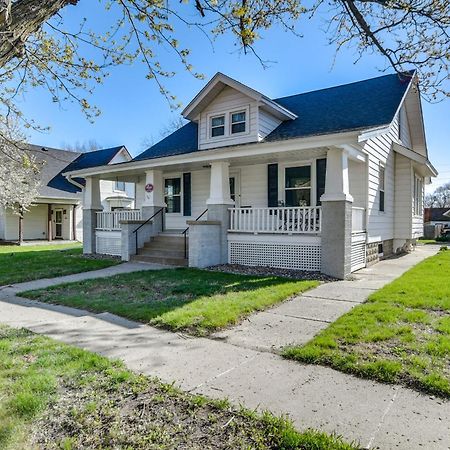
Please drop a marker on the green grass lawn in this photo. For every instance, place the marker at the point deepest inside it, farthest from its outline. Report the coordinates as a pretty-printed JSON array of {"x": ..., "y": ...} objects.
[
  {"x": 55, "y": 396},
  {"x": 401, "y": 334},
  {"x": 196, "y": 301},
  {"x": 31, "y": 262}
]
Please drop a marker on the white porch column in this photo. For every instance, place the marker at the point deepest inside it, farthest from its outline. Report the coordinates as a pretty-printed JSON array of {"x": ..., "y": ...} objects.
[
  {"x": 218, "y": 203},
  {"x": 219, "y": 191},
  {"x": 336, "y": 236},
  {"x": 91, "y": 205},
  {"x": 154, "y": 199},
  {"x": 337, "y": 186}
]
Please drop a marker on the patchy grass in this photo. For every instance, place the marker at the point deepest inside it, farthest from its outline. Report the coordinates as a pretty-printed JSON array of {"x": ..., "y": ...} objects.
[
  {"x": 31, "y": 262},
  {"x": 55, "y": 396},
  {"x": 401, "y": 335},
  {"x": 192, "y": 300}
]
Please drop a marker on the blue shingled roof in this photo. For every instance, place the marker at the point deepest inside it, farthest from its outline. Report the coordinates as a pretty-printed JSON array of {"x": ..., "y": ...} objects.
[
  {"x": 360, "y": 105},
  {"x": 84, "y": 161}
]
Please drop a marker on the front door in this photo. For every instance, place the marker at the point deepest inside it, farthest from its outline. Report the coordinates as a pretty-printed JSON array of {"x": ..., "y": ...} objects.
[
  {"x": 235, "y": 191},
  {"x": 58, "y": 223}
]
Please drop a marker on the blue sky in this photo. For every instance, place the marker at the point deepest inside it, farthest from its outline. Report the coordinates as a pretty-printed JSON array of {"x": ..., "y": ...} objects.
[{"x": 134, "y": 111}]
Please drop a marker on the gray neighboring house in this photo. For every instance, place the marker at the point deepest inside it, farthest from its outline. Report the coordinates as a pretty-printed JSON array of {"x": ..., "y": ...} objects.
[
  {"x": 57, "y": 212},
  {"x": 330, "y": 180},
  {"x": 437, "y": 216}
]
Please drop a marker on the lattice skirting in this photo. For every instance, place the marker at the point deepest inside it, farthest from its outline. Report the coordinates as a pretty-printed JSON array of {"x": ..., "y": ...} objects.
[
  {"x": 358, "y": 253},
  {"x": 280, "y": 255},
  {"x": 108, "y": 243}
]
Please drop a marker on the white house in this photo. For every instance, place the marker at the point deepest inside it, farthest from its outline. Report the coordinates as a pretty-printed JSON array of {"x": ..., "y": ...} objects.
[
  {"x": 57, "y": 211},
  {"x": 328, "y": 180}
]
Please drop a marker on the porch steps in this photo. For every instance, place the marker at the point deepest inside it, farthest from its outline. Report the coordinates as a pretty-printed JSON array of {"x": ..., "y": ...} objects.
[{"x": 166, "y": 248}]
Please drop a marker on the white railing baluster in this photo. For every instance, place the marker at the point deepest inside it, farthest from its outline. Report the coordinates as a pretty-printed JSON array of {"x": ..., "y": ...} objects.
[
  {"x": 285, "y": 220},
  {"x": 110, "y": 220}
]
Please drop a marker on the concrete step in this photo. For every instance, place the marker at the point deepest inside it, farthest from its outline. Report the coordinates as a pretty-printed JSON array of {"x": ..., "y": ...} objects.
[
  {"x": 159, "y": 245},
  {"x": 180, "y": 262},
  {"x": 161, "y": 252}
]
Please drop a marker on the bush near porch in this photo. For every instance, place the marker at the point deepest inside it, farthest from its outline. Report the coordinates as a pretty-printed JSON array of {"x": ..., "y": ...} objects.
[
  {"x": 56, "y": 396},
  {"x": 196, "y": 301},
  {"x": 32, "y": 262},
  {"x": 400, "y": 335}
]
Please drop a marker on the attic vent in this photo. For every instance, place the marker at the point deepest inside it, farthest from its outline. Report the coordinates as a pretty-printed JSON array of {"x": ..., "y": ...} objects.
[{"x": 44, "y": 149}]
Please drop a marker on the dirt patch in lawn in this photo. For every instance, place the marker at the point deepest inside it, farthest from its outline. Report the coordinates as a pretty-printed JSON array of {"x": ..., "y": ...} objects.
[
  {"x": 141, "y": 414},
  {"x": 271, "y": 271}
]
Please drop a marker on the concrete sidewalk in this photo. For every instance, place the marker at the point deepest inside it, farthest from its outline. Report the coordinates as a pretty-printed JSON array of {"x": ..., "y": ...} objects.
[{"x": 377, "y": 415}]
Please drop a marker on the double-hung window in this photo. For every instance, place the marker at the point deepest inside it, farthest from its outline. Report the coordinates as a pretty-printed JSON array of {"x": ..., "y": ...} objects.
[
  {"x": 119, "y": 186},
  {"x": 418, "y": 194},
  {"x": 172, "y": 195},
  {"x": 298, "y": 186},
  {"x": 382, "y": 176},
  {"x": 238, "y": 122},
  {"x": 218, "y": 126}
]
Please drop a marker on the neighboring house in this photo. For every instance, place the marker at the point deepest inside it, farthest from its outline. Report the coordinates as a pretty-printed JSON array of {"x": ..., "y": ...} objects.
[
  {"x": 57, "y": 211},
  {"x": 327, "y": 180},
  {"x": 437, "y": 216}
]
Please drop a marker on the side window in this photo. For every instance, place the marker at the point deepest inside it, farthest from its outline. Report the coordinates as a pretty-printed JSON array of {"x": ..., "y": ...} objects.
[
  {"x": 238, "y": 122},
  {"x": 382, "y": 183},
  {"x": 418, "y": 196}
]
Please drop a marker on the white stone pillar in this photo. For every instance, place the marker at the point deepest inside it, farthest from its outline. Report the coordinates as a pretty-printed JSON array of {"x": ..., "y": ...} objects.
[
  {"x": 91, "y": 205},
  {"x": 218, "y": 203},
  {"x": 219, "y": 191},
  {"x": 336, "y": 234},
  {"x": 154, "y": 200}
]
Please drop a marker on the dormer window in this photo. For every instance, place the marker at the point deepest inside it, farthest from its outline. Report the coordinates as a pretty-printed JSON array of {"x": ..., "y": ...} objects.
[
  {"x": 238, "y": 122},
  {"x": 218, "y": 126}
]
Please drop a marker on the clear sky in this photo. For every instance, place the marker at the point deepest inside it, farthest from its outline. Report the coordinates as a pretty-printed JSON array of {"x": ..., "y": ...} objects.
[{"x": 133, "y": 110}]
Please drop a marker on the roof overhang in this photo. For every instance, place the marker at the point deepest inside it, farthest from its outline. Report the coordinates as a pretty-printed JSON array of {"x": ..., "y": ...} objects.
[
  {"x": 217, "y": 154},
  {"x": 215, "y": 86},
  {"x": 424, "y": 166}
]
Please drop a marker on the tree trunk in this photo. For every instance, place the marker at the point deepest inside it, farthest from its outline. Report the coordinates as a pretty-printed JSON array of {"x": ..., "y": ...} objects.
[
  {"x": 21, "y": 227},
  {"x": 22, "y": 18}
]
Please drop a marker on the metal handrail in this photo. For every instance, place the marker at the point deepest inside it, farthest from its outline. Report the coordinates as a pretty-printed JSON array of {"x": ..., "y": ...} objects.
[
  {"x": 148, "y": 220},
  {"x": 184, "y": 232}
]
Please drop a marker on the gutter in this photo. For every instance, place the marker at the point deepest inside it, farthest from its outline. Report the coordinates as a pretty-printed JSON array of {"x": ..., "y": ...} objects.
[{"x": 75, "y": 183}]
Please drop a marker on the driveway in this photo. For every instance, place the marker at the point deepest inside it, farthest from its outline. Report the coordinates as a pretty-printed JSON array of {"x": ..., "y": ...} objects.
[{"x": 243, "y": 365}]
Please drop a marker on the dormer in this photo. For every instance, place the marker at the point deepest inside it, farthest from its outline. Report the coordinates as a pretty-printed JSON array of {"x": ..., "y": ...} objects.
[{"x": 229, "y": 113}]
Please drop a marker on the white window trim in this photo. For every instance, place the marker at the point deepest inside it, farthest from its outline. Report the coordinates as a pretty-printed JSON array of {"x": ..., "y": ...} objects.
[
  {"x": 227, "y": 113},
  {"x": 381, "y": 167},
  {"x": 211, "y": 127},
  {"x": 417, "y": 199},
  {"x": 168, "y": 177},
  {"x": 231, "y": 123},
  {"x": 282, "y": 179}
]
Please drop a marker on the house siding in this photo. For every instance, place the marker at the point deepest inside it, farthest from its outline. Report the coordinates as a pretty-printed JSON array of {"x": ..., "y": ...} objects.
[
  {"x": 227, "y": 101},
  {"x": 404, "y": 133},
  {"x": 267, "y": 123},
  {"x": 403, "y": 197},
  {"x": 380, "y": 224}
]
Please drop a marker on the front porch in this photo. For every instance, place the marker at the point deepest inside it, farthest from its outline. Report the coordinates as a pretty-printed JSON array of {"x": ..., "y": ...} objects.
[{"x": 267, "y": 214}]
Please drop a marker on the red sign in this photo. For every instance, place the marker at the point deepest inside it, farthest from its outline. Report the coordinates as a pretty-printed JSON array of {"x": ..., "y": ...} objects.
[{"x": 149, "y": 187}]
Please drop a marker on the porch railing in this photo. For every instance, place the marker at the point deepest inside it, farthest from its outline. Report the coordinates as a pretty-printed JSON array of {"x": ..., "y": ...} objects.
[
  {"x": 358, "y": 219},
  {"x": 282, "y": 220},
  {"x": 110, "y": 220}
]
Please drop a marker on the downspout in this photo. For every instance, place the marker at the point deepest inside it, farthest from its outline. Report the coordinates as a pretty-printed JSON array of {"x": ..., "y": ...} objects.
[{"x": 75, "y": 183}]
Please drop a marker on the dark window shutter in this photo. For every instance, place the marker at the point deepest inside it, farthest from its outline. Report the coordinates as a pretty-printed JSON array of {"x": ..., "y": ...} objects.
[
  {"x": 187, "y": 209},
  {"x": 321, "y": 170},
  {"x": 272, "y": 185}
]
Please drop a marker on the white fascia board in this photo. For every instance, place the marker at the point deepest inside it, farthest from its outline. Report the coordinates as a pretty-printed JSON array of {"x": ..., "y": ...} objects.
[
  {"x": 222, "y": 154},
  {"x": 244, "y": 89},
  {"x": 373, "y": 133},
  {"x": 410, "y": 154}
]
